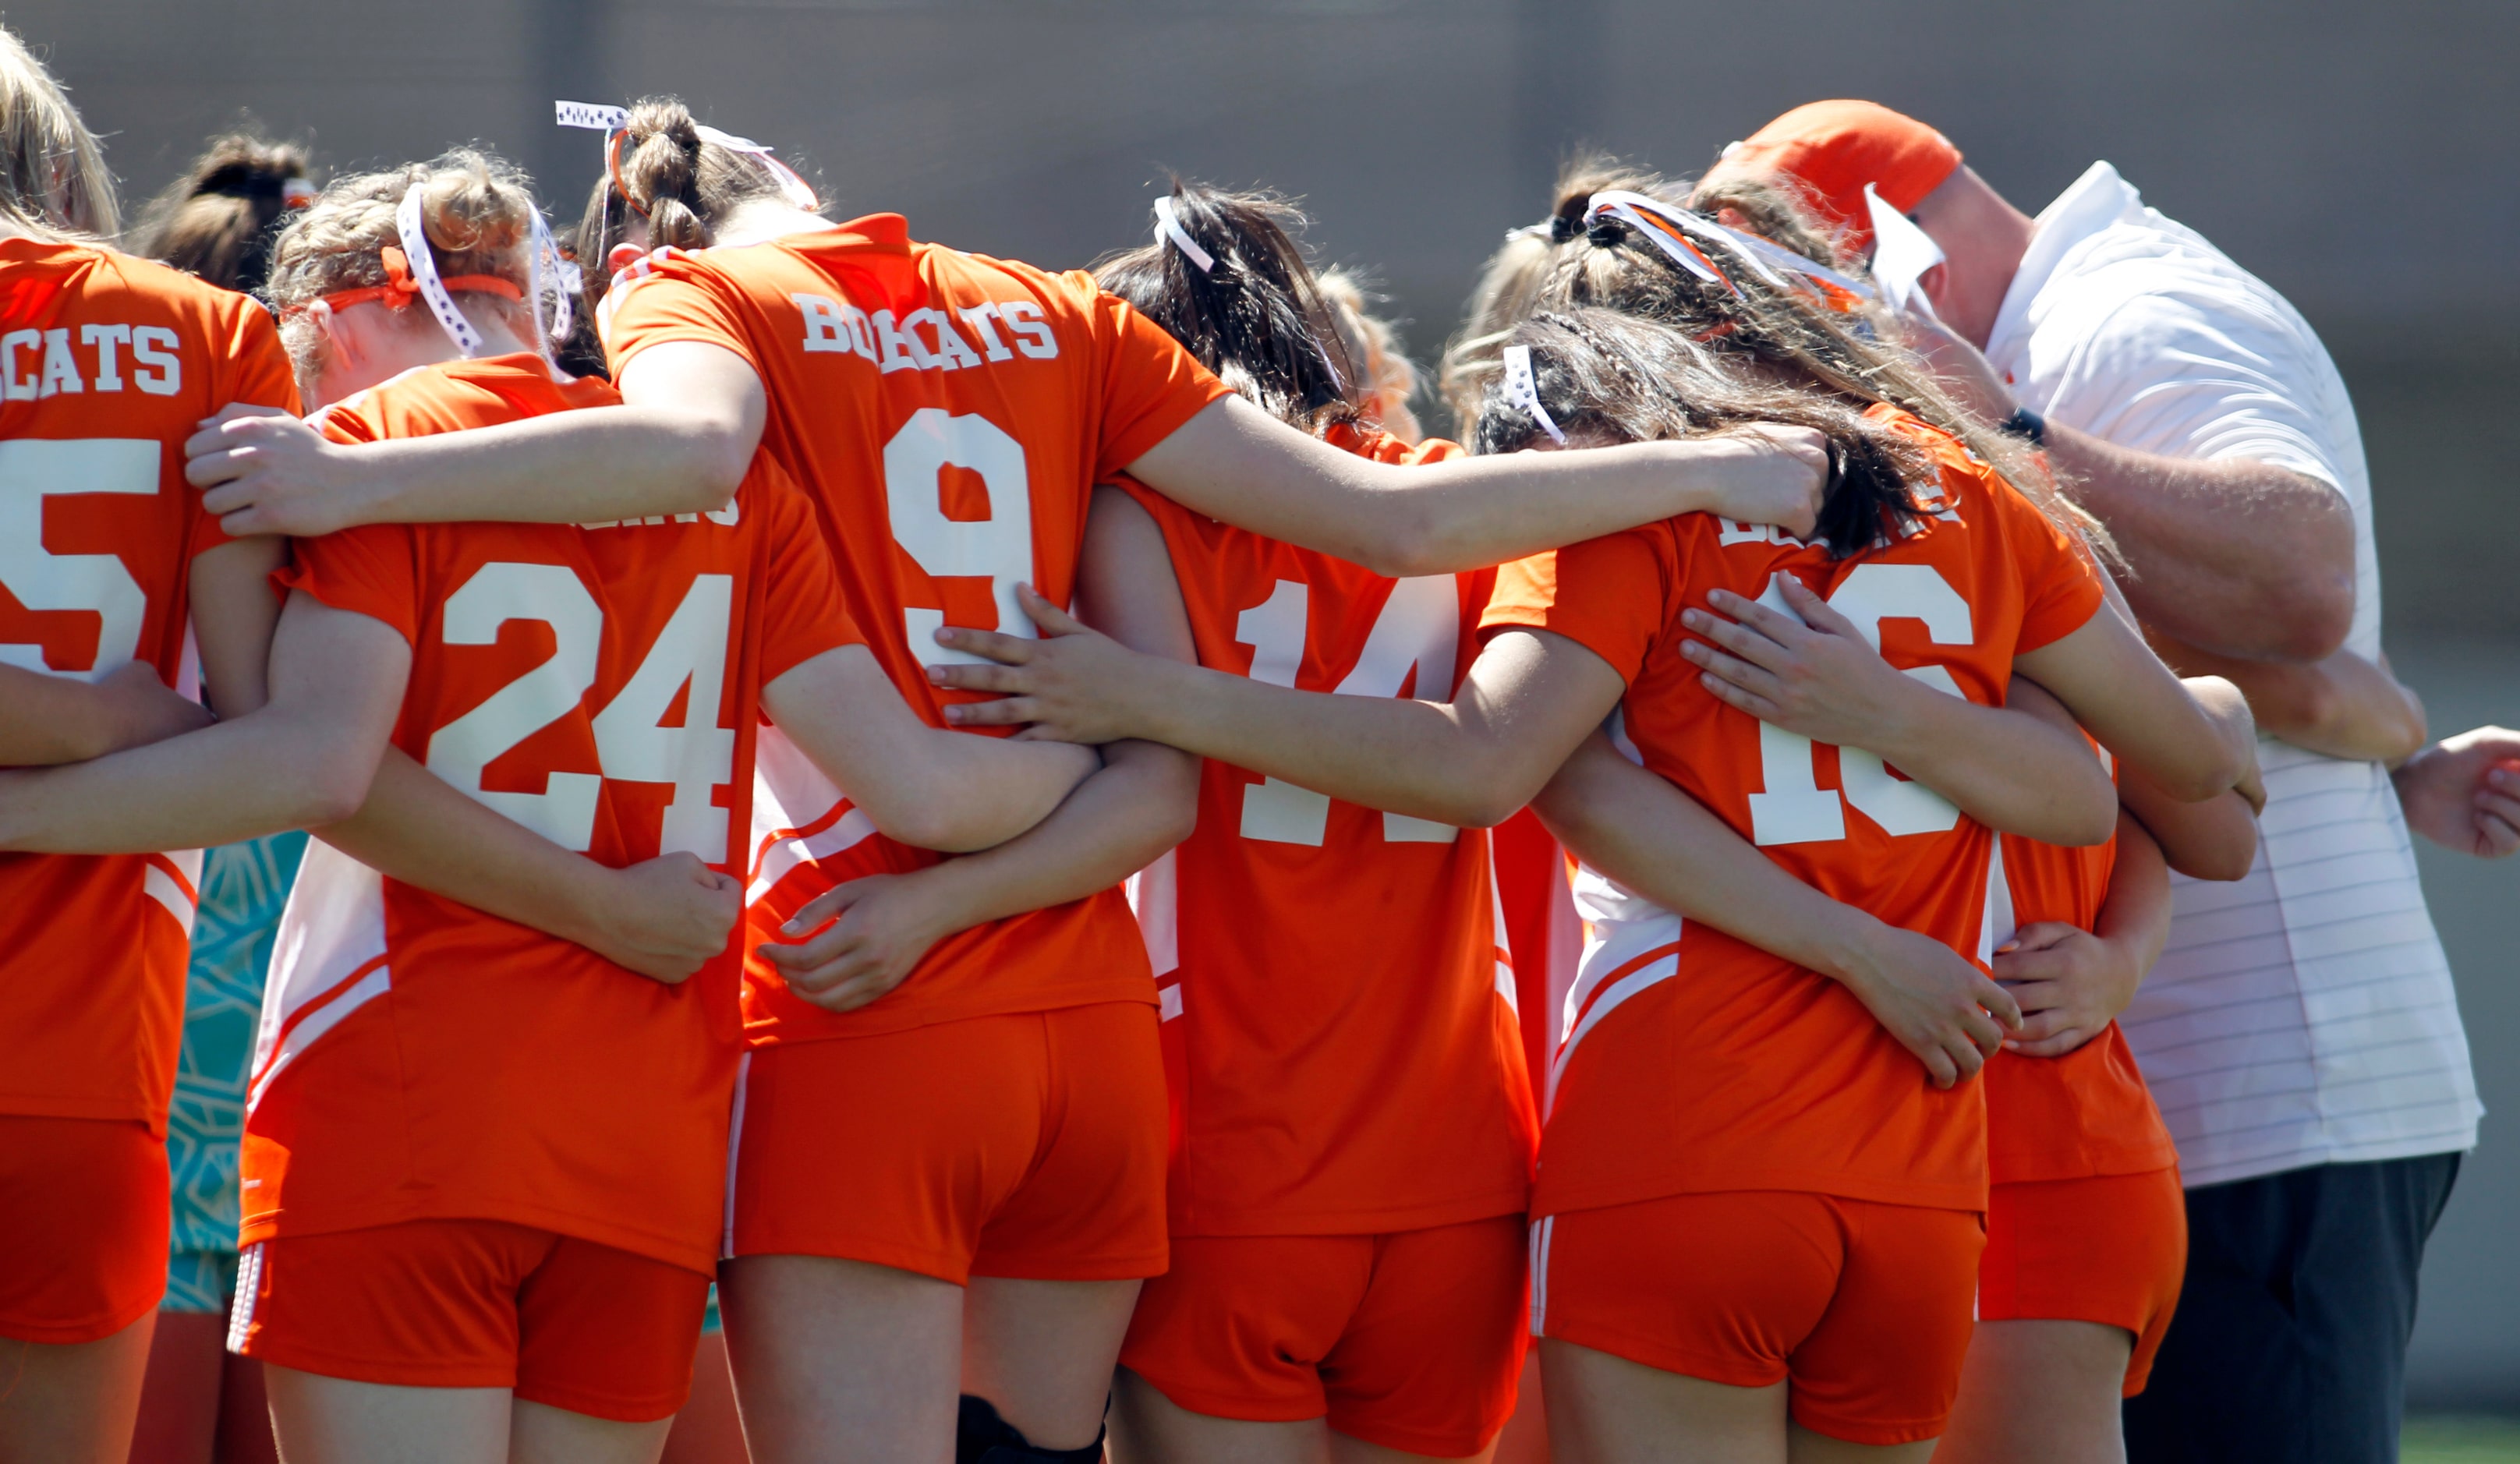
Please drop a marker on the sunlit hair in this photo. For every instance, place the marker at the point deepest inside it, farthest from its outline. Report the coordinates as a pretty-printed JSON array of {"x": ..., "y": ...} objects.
[
  {"x": 477, "y": 210},
  {"x": 1783, "y": 332},
  {"x": 1257, "y": 316},
  {"x": 1374, "y": 343},
  {"x": 681, "y": 186},
  {"x": 1509, "y": 282},
  {"x": 1606, "y": 378},
  {"x": 53, "y": 180},
  {"x": 1775, "y": 211},
  {"x": 217, "y": 221}
]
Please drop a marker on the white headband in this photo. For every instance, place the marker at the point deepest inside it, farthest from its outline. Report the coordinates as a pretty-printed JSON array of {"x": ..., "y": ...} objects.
[
  {"x": 423, "y": 274},
  {"x": 1168, "y": 227},
  {"x": 1902, "y": 253},
  {"x": 1522, "y": 390},
  {"x": 564, "y": 279},
  {"x": 598, "y": 117},
  {"x": 1631, "y": 208}
]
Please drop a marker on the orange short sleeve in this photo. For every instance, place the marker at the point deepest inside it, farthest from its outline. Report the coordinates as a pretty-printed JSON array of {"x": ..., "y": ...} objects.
[
  {"x": 1150, "y": 385},
  {"x": 2060, "y": 581},
  {"x": 1611, "y": 595},
  {"x": 803, "y": 614},
  {"x": 669, "y": 297},
  {"x": 372, "y": 570}
]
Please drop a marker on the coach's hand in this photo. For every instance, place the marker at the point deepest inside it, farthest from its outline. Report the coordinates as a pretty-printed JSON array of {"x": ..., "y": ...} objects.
[
  {"x": 267, "y": 472},
  {"x": 2464, "y": 792},
  {"x": 1073, "y": 685},
  {"x": 1815, "y": 675},
  {"x": 667, "y": 917},
  {"x": 1940, "y": 1008},
  {"x": 860, "y": 939},
  {"x": 2070, "y": 983}
]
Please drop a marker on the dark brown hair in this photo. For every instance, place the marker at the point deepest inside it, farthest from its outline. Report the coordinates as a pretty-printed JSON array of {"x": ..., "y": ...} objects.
[
  {"x": 1257, "y": 318},
  {"x": 218, "y": 220},
  {"x": 682, "y": 185},
  {"x": 1604, "y": 376}
]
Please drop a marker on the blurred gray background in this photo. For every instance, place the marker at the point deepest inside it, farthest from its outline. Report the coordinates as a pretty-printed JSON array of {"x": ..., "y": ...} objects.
[{"x": 2358, "y": 156}]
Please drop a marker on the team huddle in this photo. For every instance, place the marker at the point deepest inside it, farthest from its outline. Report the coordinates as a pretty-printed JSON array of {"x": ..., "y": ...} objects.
[{"x": 953, "y": 800}]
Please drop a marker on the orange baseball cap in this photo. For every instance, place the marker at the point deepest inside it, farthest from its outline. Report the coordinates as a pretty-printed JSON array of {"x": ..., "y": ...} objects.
[{"x": 1832, "y": 148}]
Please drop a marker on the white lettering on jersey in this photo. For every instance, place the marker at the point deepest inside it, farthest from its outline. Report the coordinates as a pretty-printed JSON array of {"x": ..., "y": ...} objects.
[
  {"x": 34, "y": 469},
  {"x": 148, "y": 351},
  {"x": 997, "y": 548},
  {"x": 1416, "y": 636},
  {"x": 1033, "y": 335},
  {"x": 1792, "y": 808},
  {"x": 103, "y": 339},
  {"x": 898, "y": 344}
]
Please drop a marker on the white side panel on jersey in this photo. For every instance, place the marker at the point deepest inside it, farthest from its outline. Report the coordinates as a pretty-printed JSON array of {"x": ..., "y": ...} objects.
[
  {"x": 734, "y": 1151},
  {"x": 179, "y": 896},
  {"x": 2000, "y": 923},
  {"x": 1504, "y": 983},
  {"x": 326, "y": 961},
  {"x": 1154, "y": 897},
  {"x": 1625, "y": 927},
  {"x": 789, "y": 793}
]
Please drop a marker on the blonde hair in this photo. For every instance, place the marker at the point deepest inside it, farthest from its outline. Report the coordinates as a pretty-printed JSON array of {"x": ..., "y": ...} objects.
[
  {"x": 53, "y": 180},
  {"x": 477, "y": 210},
  {"x": 1390, "y": 377},
  {"x": 1509, "y": 285}
]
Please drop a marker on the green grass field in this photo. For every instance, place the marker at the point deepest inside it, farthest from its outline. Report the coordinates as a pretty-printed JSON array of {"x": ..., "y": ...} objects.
[{"x": 2454, "y": 1438}]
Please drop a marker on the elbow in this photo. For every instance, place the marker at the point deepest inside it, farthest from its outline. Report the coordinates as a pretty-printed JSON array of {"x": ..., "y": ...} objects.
[
  {"x": 932, "y": 825},
  {"x": 1408, "y": 547},
  {"x": 333, "y": 789},
  {"x": 2221, "y": 859},
  {"x": 2310, "y": 619}
]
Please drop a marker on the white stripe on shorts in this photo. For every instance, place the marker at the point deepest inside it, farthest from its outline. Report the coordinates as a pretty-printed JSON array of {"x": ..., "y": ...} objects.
[{"x": 247, "y": 1287}]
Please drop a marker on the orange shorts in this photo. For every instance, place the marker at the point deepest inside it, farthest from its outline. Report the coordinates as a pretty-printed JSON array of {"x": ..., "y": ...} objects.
[
  {"x": 476, "y": 1304},
  {"x": 1412, "y": 1341},
  {"x": 83, "y": 1218},
  {"x": 1862, "y": 1308},
  {"x": 1028, "y": 1146},
  {"x": 2110, "y": 1249}
]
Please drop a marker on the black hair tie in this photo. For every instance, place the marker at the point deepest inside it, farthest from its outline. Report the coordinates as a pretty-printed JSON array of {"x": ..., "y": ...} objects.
[
  {"x": 1605, "y": 232},
  {"x": 1561, "y": 227}
]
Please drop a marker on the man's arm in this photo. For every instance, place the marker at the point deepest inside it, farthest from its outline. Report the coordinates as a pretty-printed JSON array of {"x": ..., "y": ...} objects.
[
  {"x": 2235, "y": 557},
  {"x": 2343, "y": 706}
]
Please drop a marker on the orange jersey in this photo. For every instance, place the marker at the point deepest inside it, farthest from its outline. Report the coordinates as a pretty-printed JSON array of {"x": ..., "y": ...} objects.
[
  {"x": 1339, "y": 1007},
  {"x": 106, "y": 363},
  {"x": 949, "y": 415},
  {"x": 1748, "y": 1072},
  {"x": 599, "y": 685},
  {"x": 2087, "y": 1112}
]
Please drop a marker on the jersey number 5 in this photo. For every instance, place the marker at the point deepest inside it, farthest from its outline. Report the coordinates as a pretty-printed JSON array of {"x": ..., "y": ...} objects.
[
  {"x": 631, "y": 744},
  {"x": 32, "y": 469},
  {"x": 1794, "y": 809},
  {"x": 1420, "y": 626}
]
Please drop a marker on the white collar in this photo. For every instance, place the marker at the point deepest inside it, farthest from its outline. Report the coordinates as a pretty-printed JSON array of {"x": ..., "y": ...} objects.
[{"x": 2092, "y": 202}]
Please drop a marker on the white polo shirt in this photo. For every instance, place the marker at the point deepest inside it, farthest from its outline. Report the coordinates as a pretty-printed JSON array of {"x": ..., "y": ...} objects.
[{"x": 2302, "y": 1015}]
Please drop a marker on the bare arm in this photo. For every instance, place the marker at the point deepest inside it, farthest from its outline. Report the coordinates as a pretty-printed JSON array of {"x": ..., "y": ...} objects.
[
  {"x": 47, "y": 719},
  {"x": 2213, "y": 839},
  {"x": 662, "y": 918},
  {"x": 1640, "y": 830},
  {"x": 2194, "y": 739},
  {"x": 2240, "y": 557},
  {"x": 1143, "y": 802},
  {"x": 2071, "y": 982},
  {"x": 1819, "y": 676},
  {"x": 921, "y": 785},
  {"x": 679, "y": 443},
  {"x": 305, "y": 758},
  {"x": 1235, "y": 463},
  {"x": 1470, "y": 762},
  {"x": 2464, "y": 792},
  {"x": 2343, "y": 706}
]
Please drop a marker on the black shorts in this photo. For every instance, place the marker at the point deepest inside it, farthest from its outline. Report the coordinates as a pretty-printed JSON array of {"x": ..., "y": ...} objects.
[{"x": 2290, "y": 1340}]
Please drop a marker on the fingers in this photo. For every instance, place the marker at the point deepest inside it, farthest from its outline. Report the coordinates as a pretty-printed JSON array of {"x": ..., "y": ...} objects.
[
  {"x": 1981, "y": 1033},
  {"x": 1816, "y": 612},
  {"x": 2056, "y": 1046},
  {"x": 1999, "y": 1005},
  {"x": 1749, "y": 677},
  {"x": 1733, "y": 696},
  {"x": 1013, "y": 711},
  {"x": 1005, "y": 650},
  {"x": 2039, "y": 934},
  {"x": 1763, "y": 621},
  {"x": 1052, "y": 620},
  {"x": 983, "y": 677},
  {"x": 212, "y": 467},
  {"x": 1939, "y": 1065}
]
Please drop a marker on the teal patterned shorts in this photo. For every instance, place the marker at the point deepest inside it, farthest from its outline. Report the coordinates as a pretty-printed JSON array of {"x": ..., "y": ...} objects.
[{"x": 243, "y": 889}]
